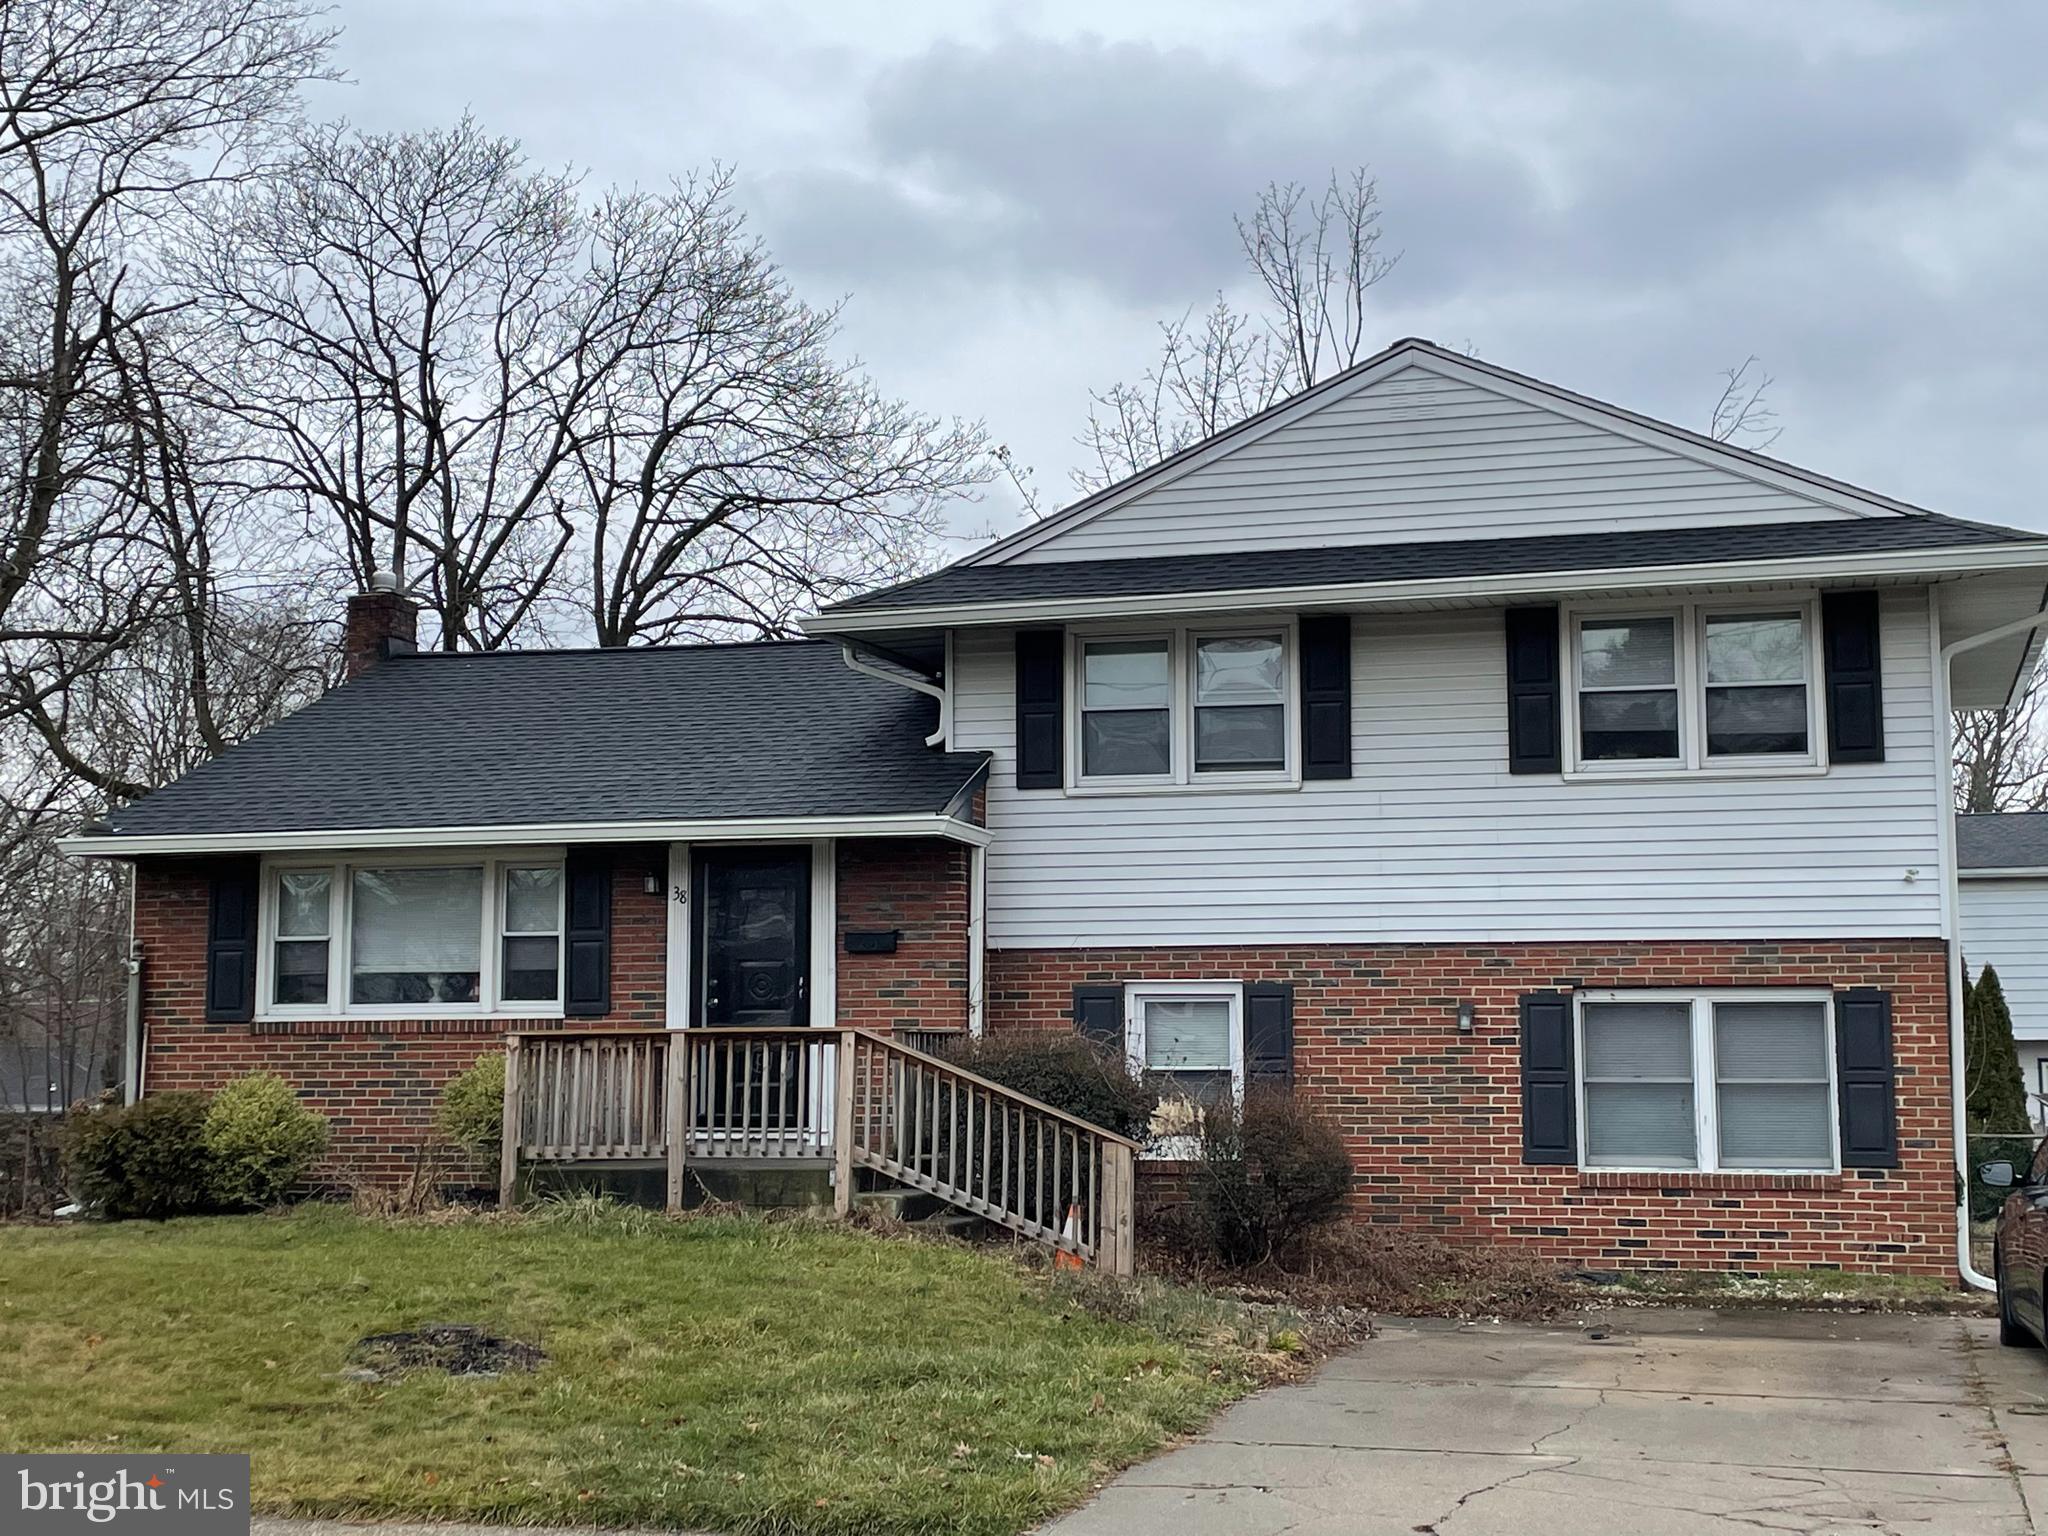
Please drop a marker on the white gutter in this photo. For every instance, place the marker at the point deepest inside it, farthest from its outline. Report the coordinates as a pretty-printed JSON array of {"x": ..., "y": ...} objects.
[
  {"x": 750, "y": 830},
  {"x": 1951, "y": 901},
  {"x": 915, "y": 684},
  {"x": 2025, "y": 872},
  {"x": 1898, "y": 563}
]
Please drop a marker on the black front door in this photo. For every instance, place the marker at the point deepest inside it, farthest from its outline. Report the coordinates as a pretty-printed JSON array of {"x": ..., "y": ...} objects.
[{"x": 753, "y": 935}]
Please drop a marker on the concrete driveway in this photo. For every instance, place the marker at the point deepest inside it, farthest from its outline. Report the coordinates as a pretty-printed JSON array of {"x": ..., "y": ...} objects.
[{"x": 1635, "y": 1424}]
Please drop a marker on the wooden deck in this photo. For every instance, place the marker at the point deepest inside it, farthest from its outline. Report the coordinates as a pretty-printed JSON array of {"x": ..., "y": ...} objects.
[{"x": 844, "y": 1099}]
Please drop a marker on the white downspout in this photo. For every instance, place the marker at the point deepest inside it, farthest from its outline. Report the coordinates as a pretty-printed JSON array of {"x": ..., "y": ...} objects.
[
  {"x": 1951, "y": 901},
  {"x": 932, "y": 690},
  {"x": 977, "y": 939},
  {"x": 132, "y": 1043}
]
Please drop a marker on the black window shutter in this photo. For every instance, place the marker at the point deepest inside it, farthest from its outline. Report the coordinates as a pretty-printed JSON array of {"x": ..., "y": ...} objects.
[
  {"x": 1868, "y": 1078},
  {"x": 1549, "y": 1100},
  {"x": 1855, "y": 677},
  {"x": 587, "y": 992},
  {"x": 1269, "y": 1033},
  {"x": 1326, "y": 696},
  {"x": 1041, "y": 668},
  {"x": 1535, "y": 691},
  {"x": 1099, "y": 1016},
  {"x": 231, "y": 943}
]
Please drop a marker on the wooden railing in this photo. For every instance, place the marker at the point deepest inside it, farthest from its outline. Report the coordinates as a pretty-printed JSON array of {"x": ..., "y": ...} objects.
[
  {"x": 847, "y": 1098},
  {"x": 989, "y": 1150}
]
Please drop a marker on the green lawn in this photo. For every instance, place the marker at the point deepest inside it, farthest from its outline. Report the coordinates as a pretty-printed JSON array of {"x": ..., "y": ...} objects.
[{"x": 726, "y": 1373}]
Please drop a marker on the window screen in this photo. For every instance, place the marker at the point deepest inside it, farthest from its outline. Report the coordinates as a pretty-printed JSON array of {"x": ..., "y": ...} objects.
[
  {"x": 1240, "y": 703},
  {"x": 1771, "y": 1085},
  {"x": 1126, "y": 709},
  {"x": 1638, "y": 1073},
  {"x": 1628, "y": 689}
]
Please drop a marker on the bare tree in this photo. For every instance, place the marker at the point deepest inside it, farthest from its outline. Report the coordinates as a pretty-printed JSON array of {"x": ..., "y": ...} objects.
[
  {"x": 1742, "y": 414},
  {"x": 1315, "y": 260},
  {"x": 2001, "y": 755},
  {"x": 616, "y": 418},
  {"x": 112, "y": 114},
  {"x": 736, "y": 472}
]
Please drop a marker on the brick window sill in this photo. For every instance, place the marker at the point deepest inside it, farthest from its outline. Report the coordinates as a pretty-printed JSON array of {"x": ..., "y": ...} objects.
[{"x": 1592, "y": 1179}]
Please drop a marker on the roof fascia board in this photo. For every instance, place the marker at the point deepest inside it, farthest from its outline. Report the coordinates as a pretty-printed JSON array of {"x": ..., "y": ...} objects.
[
  {"x": 2016, "y": 872},
  {"x": 1369, "y": 594},
  {"x": 1229, "y": 440},
  {"x": 753, "y": 829}
]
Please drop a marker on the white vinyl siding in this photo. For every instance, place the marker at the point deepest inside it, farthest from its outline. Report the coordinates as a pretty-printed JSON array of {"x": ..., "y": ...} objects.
[
  {"x": 1417, "y": 456},
  {"x": 2004, "y": 924},
  {"x": 1433, "y": 839}
]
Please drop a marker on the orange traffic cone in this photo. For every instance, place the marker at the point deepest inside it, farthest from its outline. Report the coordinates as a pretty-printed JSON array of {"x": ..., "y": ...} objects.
[{"x": 1065, "y": 1257}]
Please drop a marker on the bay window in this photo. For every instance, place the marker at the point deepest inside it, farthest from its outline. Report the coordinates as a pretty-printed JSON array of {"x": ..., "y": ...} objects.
[
  {"x": 1696, "y": 685},
  {"x": 1731, "y": 1081},
  {"x": 1195, "y": 705},
  {"x": 392, "y": 937}
]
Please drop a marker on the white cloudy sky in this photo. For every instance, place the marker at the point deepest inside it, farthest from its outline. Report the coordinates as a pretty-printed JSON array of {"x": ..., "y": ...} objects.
[{"x": 1623, "y": 198}]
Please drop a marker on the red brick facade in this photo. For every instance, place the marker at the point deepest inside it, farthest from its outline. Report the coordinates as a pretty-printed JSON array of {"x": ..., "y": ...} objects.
[
  {"x": 1433, "y": 1117},
  {"x": 920, "y": 889},
  {"x": 380, "y": 1080}
]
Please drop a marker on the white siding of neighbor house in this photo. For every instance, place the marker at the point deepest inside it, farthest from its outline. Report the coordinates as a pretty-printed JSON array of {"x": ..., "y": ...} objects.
[
  {"x": 2004, "y": 923},
  {"x": 1418, "y": 456},
  {"x": 1433, "y": 839}
]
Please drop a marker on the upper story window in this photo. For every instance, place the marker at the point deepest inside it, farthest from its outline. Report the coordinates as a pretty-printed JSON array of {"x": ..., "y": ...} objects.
[
  {"x": 1698, "y": 685},
  {"x": 1185, "y": 706},
  {"x": 392, "y": 937}
]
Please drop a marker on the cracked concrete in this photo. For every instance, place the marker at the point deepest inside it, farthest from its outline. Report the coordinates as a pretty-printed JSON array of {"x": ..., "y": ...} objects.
[{"x": 1675, "y": 1422}]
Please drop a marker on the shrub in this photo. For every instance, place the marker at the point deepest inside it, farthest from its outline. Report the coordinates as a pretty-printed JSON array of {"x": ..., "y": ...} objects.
[
  {"x": 260, "y": 1141},
  {"x": 1068, "y": 1073},
  {"x": 1269, "y": 1170},
  {"x": 146, "y": 1159},
  {"x": 472, "y": 1112}
]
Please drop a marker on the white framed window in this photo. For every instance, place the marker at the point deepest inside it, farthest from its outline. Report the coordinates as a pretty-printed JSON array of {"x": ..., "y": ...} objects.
[
  {"x": 1720, "y": 1081},
  {"x": 1187, "y": 1038},
  {"x": 398, "y": 936},
  {"x": 1209, "y": 705},
  {"x": 1722, "y": 685}
]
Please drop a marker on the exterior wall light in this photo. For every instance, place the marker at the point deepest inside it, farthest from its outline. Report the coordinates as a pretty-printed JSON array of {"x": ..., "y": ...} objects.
[{"x": 1465, "y": 1018}]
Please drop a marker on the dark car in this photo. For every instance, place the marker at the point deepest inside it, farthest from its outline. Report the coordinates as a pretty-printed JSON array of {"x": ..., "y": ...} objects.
[{"x": 2019, "y": 1262}]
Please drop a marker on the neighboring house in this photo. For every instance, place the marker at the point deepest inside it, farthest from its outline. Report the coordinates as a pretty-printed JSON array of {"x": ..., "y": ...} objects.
[
  {"x": 1559, "y": 797},
  {"x": 2003, "y": 859}
]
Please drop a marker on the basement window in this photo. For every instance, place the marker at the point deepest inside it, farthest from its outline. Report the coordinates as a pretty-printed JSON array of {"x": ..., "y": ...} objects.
[
  {"x": 409, "y": 937},
  {"x": 1187, "y": 1038},
  {"x": 1712, "y": 1082}
]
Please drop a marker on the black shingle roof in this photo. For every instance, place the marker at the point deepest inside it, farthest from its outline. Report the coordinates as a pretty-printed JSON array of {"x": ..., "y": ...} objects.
[
  {"x": 2002, "y": 840},
  {"x": 1179, "y": 575},
  {"x": 545, "y": 737}
]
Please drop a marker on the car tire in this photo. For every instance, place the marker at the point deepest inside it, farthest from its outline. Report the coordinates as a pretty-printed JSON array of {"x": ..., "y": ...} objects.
[{"x": 2010, "y": 1331}]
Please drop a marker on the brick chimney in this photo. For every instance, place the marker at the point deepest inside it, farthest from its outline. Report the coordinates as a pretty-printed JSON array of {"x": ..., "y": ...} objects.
[{"x": 381, "y": 622}]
